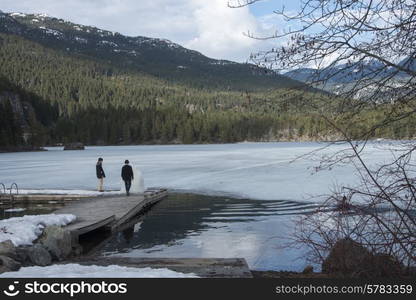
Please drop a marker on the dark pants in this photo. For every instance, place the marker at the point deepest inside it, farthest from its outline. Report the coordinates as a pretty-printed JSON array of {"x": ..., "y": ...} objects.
[{"x": 128, "y": 186}]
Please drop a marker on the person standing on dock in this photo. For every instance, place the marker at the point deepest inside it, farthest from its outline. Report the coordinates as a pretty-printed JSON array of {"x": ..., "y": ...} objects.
[
  {"x": 127, "y": 175},
  {"x": 100, "y": 174}
]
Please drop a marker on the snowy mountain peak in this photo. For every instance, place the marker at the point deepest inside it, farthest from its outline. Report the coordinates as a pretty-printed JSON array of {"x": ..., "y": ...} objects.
[
  {"x": 60, "y": 28},
  {"x": 42, "y": 15},
  {"x": 17, "y": 14},
  {"x": 156, "y": 56}
]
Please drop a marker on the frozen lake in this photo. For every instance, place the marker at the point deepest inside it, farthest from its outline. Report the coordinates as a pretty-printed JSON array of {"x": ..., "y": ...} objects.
[
  {"x": 263, "y": 171},
  {"x": 256, "y": 194}
]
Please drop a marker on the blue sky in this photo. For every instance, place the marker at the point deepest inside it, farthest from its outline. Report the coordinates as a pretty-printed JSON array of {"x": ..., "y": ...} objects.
[
  {"x": 208, "y": 26},
  {"x": 265, "y": 7}
]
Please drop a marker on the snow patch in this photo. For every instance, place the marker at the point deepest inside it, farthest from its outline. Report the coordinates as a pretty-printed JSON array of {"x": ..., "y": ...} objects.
[
  {"x": 42, "y": 16},
  {"x": 107, "y": 43},
  {"x": 17, "y": 14},
  {"x": 154, "y": 42},
  {"x": 15, "y": 210},
  {"x": 24, "y": 230},
  {"x": 81, "y": 40},
  {"x": 170, "y": 44},
  {"x": 222, "y": 62},
  {"x": 80, "y": 271},
  {"x": 54, "y": 32}
]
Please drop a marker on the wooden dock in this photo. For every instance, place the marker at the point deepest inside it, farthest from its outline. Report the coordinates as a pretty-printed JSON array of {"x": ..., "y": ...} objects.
[
  {"x": 7, "y": 199},
  {"x": 107, "y": 212},
  {"x": 202, "y": 267}
]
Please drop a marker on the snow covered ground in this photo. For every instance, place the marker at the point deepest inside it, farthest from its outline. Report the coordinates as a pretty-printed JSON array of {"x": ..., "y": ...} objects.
[
  {"x": 80, "y": 271},
  {"x": 24, "y": 230},
  {"x": 249, "y": 170}
]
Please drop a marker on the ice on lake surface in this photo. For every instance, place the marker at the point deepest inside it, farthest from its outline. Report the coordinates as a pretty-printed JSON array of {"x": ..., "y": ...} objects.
[
  {"x": 273, "y": 192},
  {"x": 250, "y": 170}
]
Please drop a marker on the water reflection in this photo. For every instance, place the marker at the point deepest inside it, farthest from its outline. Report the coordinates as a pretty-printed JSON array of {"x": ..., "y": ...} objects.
[
  {"x": 188, "y": 225},
  {"x": 128, "y": 234}
]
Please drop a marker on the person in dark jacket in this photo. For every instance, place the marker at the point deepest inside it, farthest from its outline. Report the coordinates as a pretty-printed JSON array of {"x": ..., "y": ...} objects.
[
  {"x": 100, "y": 174},
  {"x": 127, "y": 175}
]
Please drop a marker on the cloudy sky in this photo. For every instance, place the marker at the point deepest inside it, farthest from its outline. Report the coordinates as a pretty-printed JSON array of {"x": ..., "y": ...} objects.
[{"x": 208, "y": 26}]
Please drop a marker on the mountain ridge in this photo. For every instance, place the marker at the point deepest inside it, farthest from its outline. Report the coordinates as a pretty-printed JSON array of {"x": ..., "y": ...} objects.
[
  {"x": 344, "y": 74},
  {"x": 154, "y": 56},
  {"x": 84, "y": 87}
]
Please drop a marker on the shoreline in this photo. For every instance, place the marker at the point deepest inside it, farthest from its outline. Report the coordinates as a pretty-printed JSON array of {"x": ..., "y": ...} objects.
[
  {"x": 288, "y": 274},
  {"x": 22, "y": 149},
  {"x": 44, "y": 148},
  {"x": 55, "y": 236}
]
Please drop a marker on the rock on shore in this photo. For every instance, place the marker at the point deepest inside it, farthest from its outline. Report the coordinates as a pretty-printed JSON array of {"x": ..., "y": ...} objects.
[
  {"x": 348, "y": 258},
  {"x": 54, "y": 244},
  {"x": 57, "y": 241},
  {"x": 74, "y": 146}
]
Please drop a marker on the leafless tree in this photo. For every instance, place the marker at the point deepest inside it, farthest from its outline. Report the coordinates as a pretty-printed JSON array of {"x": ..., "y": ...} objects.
[{"x": 373, "y": 42}]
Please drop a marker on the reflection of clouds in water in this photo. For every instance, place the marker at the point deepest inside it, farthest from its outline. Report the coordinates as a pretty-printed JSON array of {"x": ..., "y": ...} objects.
[
  {"x": 200, "y": 226},
  {"x": 240, "y": 245},
  {"x": 137, "y": 227},
  {"x": 259, "y": 242},
  {"x": 206, "y": 245}
]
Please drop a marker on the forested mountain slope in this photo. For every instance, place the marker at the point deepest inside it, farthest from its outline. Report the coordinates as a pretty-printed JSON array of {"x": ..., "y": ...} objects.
[
  {"x": 157, "y": 57},
  {"x": 50, "y": 93},
  {"x": 95, "y": 102}
]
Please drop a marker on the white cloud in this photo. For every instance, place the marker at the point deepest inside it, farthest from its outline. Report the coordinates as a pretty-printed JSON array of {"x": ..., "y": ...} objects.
[
  {"x": 208, "y": 26},
  {"x": 220, "y": 29}
]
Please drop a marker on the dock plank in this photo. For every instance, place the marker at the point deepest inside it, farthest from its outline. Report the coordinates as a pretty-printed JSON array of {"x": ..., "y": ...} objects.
[
  {"x": 202, "y": 267},
  {"x": 111, "y": 212},
  {"x": 39, "y": 198}
]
